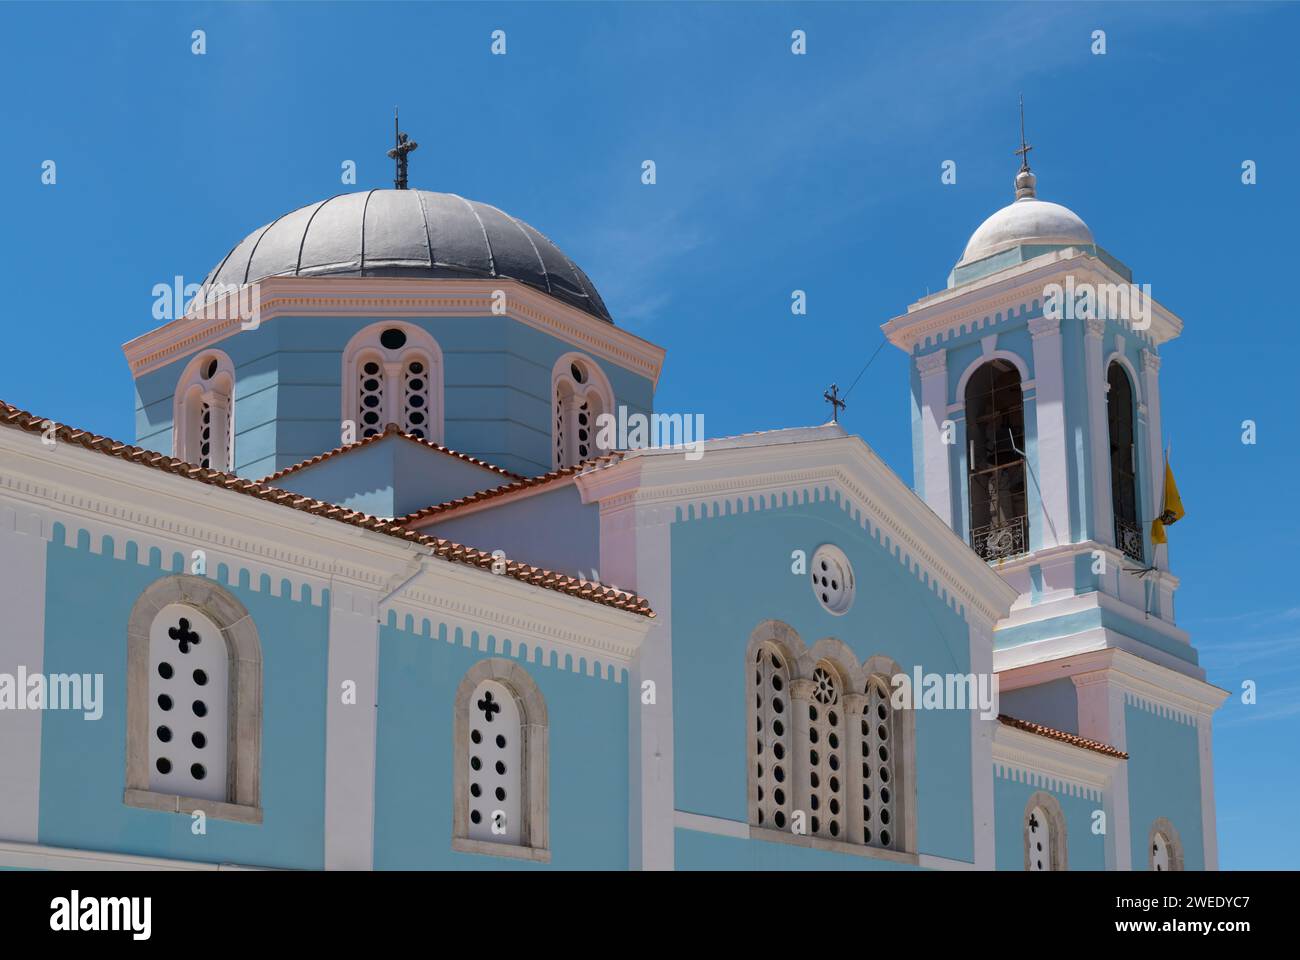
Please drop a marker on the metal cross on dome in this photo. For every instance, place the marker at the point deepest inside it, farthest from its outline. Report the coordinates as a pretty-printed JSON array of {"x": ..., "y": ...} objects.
[
  {"x": 1023, "y": 152},
  {"x": 403, "y": 145}
]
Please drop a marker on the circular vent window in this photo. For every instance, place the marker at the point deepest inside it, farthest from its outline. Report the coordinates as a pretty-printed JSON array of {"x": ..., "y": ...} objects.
[{"x": 832, "y": 579}]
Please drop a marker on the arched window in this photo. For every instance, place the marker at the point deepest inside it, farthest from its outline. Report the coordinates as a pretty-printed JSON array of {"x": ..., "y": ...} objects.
[
  {"x": 879, "y": 763},
  {"x": 825, "y": 753},
  {"x": 772, "y": 789},
  {"x": 204, "y": 413},
  {"x": 194, "y": 703},
  {"x": 1044, "y": 829},
  {"x": 995, "y": 427},
  {"x": 1123, "y": 461},
  {"x": 1164, "y": 848},
  {"x": 392, "y": 373},
  {"x": 581, "y": 395},
  {"x": 500, "y": 777}
]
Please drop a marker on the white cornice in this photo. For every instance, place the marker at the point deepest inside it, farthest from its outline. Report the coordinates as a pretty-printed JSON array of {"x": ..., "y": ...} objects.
[
  {"x": 664, "y": 479},
  {"x": 407, "y": 298},
  {"x": 86, "y": 489},
  {"x": 1134, "y": 674},
  {"x": 1021, "y": 749},
  {"x": 970, "y": 305}
]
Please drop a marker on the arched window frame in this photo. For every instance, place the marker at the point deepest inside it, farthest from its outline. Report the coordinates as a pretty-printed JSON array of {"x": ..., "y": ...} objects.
[
  {"x": 243, "y": 705},
  {"x": 1058, "y": 846},
  {"x": 419, "y": 345},
  {"x": 879, "y": 672},
  {"x": 207, "y": 380},
  {"x": 769, "y": 754},
  {"x": 855, "y": 681},
  {"x": 567, "y": 395},
  {"x": 1129, "y": 535},
  {"x": 1011, "y": 537},
  {"x": 534, "y": 840},
  {"x": 1163, "y": 828}
]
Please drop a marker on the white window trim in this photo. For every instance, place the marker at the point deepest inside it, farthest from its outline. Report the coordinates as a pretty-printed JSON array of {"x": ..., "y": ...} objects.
[
  {"x": 534, "y": 842},
  {"x": 597, "y": 384},
  {"x": 1163, "y": 827},
  {"x": 192, "y": 391},
  {"x": 1059, "y": 848},
  {"x": 244, "y": 751},
  {"x": 365, "y": 345},
  {"x": 801, "y": 662}
]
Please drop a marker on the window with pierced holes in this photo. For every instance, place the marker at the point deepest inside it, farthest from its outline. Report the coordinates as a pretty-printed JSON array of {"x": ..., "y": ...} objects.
[
  {"x": 832, "y": 579},
  {"x": 415, "y": 398},
  {"x": 205, "y": 436},
  {"x": 770, "y": 695},
  {"x": 826, "y": 757},
  {"x": 878, "y": 768},
  {"x": 370, "y": 396},
  {"x": 188, "y": 704},
  {"x": 579, "y": 402},
  {"x": 495, "y": 764},
  {"x": 1160, "y": 852},
  {"x": 1038, "y": 840}
]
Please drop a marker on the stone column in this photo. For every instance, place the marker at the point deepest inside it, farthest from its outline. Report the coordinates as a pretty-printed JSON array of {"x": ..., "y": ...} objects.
[
  {"x": 801, "y": 697},
  {"x": 1052, "y": 467},
  {"x": 935, "y": 454},
  {"x": 393, "y": 398}
]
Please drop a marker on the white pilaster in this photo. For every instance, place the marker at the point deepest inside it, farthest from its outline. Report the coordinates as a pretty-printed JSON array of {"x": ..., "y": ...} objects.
[
  {"x": 1101, "y": 717},
  {"x": 1103, "y": 517},
  {"x": 1209, "y": 829},
  {"x": 22, "y": 598},
  {"x": 981, "y": 753},
  {"x": 350, "y": 729},
  {"x": 935, "y": 454},
  {"x": 1053, "y": 467},
  {"x": 1155, "y": 447}
]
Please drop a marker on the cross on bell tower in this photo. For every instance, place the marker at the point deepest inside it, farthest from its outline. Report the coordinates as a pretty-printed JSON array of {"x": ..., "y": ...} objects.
[
  {"x": 832, "y": 396},
  {"x": 403, "y": 146}
]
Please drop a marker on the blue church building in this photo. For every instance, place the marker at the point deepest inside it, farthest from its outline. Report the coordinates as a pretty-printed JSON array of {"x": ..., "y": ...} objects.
[{"x": 379, "y": 586}]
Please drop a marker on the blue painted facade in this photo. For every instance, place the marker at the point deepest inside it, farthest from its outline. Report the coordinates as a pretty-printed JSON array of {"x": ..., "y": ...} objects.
[{"x": 288, "y": 399}]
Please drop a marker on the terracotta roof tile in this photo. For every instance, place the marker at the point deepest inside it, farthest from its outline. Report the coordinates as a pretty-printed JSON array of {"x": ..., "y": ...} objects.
[
  {"x": 391, "y": 430},
  {"x": 1053, "y": 734},
  {"x": 445, "y": 549},
  {"x": 594, "y": 463}
]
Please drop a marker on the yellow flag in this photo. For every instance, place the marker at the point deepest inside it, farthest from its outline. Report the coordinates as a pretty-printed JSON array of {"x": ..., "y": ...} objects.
[{"x": 1173, "y": 508}]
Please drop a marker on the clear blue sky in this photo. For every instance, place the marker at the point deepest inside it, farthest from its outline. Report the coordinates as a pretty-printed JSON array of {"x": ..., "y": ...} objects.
[{"x": 775, "y": 172}]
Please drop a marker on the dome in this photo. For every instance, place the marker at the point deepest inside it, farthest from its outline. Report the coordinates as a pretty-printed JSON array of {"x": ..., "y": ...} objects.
[
  {"x": 1026, "y": 220},
  {"x": 405, "y": 233}
]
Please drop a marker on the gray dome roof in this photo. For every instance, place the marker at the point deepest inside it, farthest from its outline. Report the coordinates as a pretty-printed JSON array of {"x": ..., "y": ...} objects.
[{"x": 405, "y": 233}]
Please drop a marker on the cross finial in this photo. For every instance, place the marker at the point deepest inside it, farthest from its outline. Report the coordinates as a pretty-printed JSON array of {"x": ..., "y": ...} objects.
[
  {"x": 1023, "y": 152},
  {"x": 832, "y": 396},
  {"x": 402, "y": 146}
]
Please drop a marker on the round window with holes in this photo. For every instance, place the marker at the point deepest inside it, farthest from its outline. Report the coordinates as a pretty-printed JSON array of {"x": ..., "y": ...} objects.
[{"x": 832, "y": 579}]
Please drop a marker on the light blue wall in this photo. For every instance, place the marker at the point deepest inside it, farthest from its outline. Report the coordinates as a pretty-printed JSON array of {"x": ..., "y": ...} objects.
[
  {"x": 390, "y": 477},
  {"x": 730, "y": 573},
  {"x": 87, "y": 606},
  {"x": 1053, "y": 704},
  {"x": 497, "y": 374},
  {"x": 1164, "y": 780},
  {"x": 588, "y": 740},
  {"x": 710, "y": 851},
  {"x": 1084, "y": 849},
  {"x": 555, "y": 530}
]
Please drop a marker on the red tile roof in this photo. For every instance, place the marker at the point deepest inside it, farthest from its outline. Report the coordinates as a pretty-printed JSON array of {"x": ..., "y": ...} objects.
[
  {"x": 1053, "y": 734},
  {"x": 391, "y": 430},
  {"x": 454, "y": 552},
  {"x": 524, "y": 484}
]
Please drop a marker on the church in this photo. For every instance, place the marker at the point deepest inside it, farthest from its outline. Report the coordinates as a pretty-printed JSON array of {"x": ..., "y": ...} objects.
[{"x": 371, "y": 589}]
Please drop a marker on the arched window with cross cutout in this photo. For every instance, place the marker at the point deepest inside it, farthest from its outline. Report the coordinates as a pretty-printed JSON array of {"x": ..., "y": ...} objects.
[
  {"x": 500, "y": 778},
  {"x": 1044, "y": 829}
]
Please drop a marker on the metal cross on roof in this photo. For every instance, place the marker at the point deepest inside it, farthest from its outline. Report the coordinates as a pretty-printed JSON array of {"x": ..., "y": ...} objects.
[
  {"x": 402, "y": 147},
  {"x": 832, "y": 397},
  {"x": 1023, "y": 152}
]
